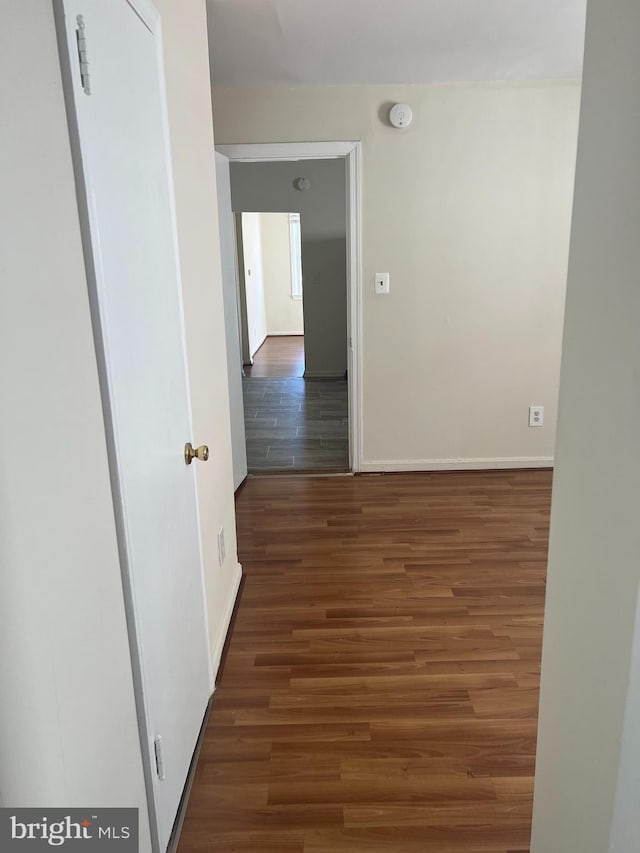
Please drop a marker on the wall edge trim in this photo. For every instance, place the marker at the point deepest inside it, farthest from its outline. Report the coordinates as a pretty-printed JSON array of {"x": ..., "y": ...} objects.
[
  {"x": 225, "y": 622},
  {"x": 459, "y": 464}
]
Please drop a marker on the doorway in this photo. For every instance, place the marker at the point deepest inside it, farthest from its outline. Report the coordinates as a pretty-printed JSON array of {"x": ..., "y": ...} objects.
[
  {"x": 320, "y": 412},
  {"x": 294, "y": 420}
]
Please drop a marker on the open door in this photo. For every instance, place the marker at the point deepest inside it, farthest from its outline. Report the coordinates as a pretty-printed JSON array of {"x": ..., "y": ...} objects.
[
  {"x": 228, "y": 256},
  {"x": 245, "y": 349}
]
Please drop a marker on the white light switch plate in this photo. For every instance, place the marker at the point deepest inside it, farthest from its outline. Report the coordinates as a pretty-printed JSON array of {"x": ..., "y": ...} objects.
[{"x": 382, "y": 282}]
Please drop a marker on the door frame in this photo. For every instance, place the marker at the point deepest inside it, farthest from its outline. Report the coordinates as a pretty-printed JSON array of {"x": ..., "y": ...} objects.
[
  {"x": 351, "y": 152},
  {"x": 150, "y": 17}
]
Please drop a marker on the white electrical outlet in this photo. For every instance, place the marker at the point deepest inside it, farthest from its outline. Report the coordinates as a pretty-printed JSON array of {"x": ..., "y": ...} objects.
[
  {"x": 382, "y": 282},
  {"x": 221, "y": 550},
  {"x": 536, "y": 416}
]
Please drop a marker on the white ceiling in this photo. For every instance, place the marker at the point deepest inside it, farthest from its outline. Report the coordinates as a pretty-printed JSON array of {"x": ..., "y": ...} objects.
[{"x": 307, "y": 42}]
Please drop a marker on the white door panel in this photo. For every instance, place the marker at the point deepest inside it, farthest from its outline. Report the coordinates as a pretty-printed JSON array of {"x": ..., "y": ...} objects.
[
  {"x": 229, "y": 261},
  {"x": 123, "y": 141}
]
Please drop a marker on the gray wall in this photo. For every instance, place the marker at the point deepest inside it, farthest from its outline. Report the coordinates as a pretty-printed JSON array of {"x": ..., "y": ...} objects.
[
  {"x": 270, "y": 188},
  {"x": 594, "y": 562}
]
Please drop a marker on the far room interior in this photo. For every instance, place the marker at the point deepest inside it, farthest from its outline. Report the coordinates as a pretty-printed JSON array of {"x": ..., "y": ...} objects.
[{"x": 290, "y": 276}]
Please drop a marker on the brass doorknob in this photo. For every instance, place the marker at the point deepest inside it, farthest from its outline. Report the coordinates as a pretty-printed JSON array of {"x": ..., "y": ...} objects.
[{"x": 191, "y": 453}]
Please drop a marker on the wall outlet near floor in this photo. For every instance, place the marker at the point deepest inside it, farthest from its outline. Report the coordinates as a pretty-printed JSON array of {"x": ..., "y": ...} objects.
[
  {"x": 536, "y": 416},
  {"x": 221, "y": 549}
]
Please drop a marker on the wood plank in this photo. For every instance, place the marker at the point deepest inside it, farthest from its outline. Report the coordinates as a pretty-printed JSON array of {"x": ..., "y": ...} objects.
[
  {"x": 380, "y": 690},
  {"x": 279, "y": 355}
]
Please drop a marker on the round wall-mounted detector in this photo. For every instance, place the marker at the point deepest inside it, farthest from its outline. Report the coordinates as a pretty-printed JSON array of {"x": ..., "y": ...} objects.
[
  {"x": 303, "y": 184},
  {"x": 400, "y": 115}
]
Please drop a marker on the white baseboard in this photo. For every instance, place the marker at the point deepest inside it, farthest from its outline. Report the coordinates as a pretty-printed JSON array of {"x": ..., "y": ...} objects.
[
  {"x": 473, "y": 464},
  {"x": 226, "y": 620},
  {"x": 285, "y": 334},
  {"x": 321, "y": 374}
]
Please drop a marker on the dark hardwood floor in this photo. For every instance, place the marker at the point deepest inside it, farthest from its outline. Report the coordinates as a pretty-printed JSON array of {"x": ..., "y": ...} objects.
[
  {"x": 296, "y": 424},
  {"x": 380, "y": 689},
  {"x": 293, "y": 424},
  {"x": 279, "y": 356}
]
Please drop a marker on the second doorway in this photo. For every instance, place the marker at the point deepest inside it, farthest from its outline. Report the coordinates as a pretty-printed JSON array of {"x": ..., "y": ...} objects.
[{"x": 295, "y": 410}]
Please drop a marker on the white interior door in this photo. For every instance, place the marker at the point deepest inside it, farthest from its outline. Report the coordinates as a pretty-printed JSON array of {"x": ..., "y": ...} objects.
[
  {"x": 132, "y": 257},
  {"x": 242, "y": 293},
  {"x": 229, "y": 261}
]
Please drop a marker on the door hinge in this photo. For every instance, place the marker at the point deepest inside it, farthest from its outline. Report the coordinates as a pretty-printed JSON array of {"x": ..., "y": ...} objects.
[
  {"x": 82, "y": 55},
  {"x": 157, "y": 750}
]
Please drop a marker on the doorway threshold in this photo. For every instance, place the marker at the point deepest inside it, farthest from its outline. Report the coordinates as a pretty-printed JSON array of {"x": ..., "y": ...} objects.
[{"x": 289, "y": 474}]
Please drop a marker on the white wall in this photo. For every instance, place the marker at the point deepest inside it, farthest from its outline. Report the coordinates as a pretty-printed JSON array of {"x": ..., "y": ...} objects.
[
  {"x": 186, "y": 56},
  {"x": 469, "y": 211},
  {"x": 589, "y": 676},
  {"x": 271, "y": 187},
  {"x": 284, "y": 314},
  {"x": 68, "y": 729},
  {"x": 253, "y": 280}
]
